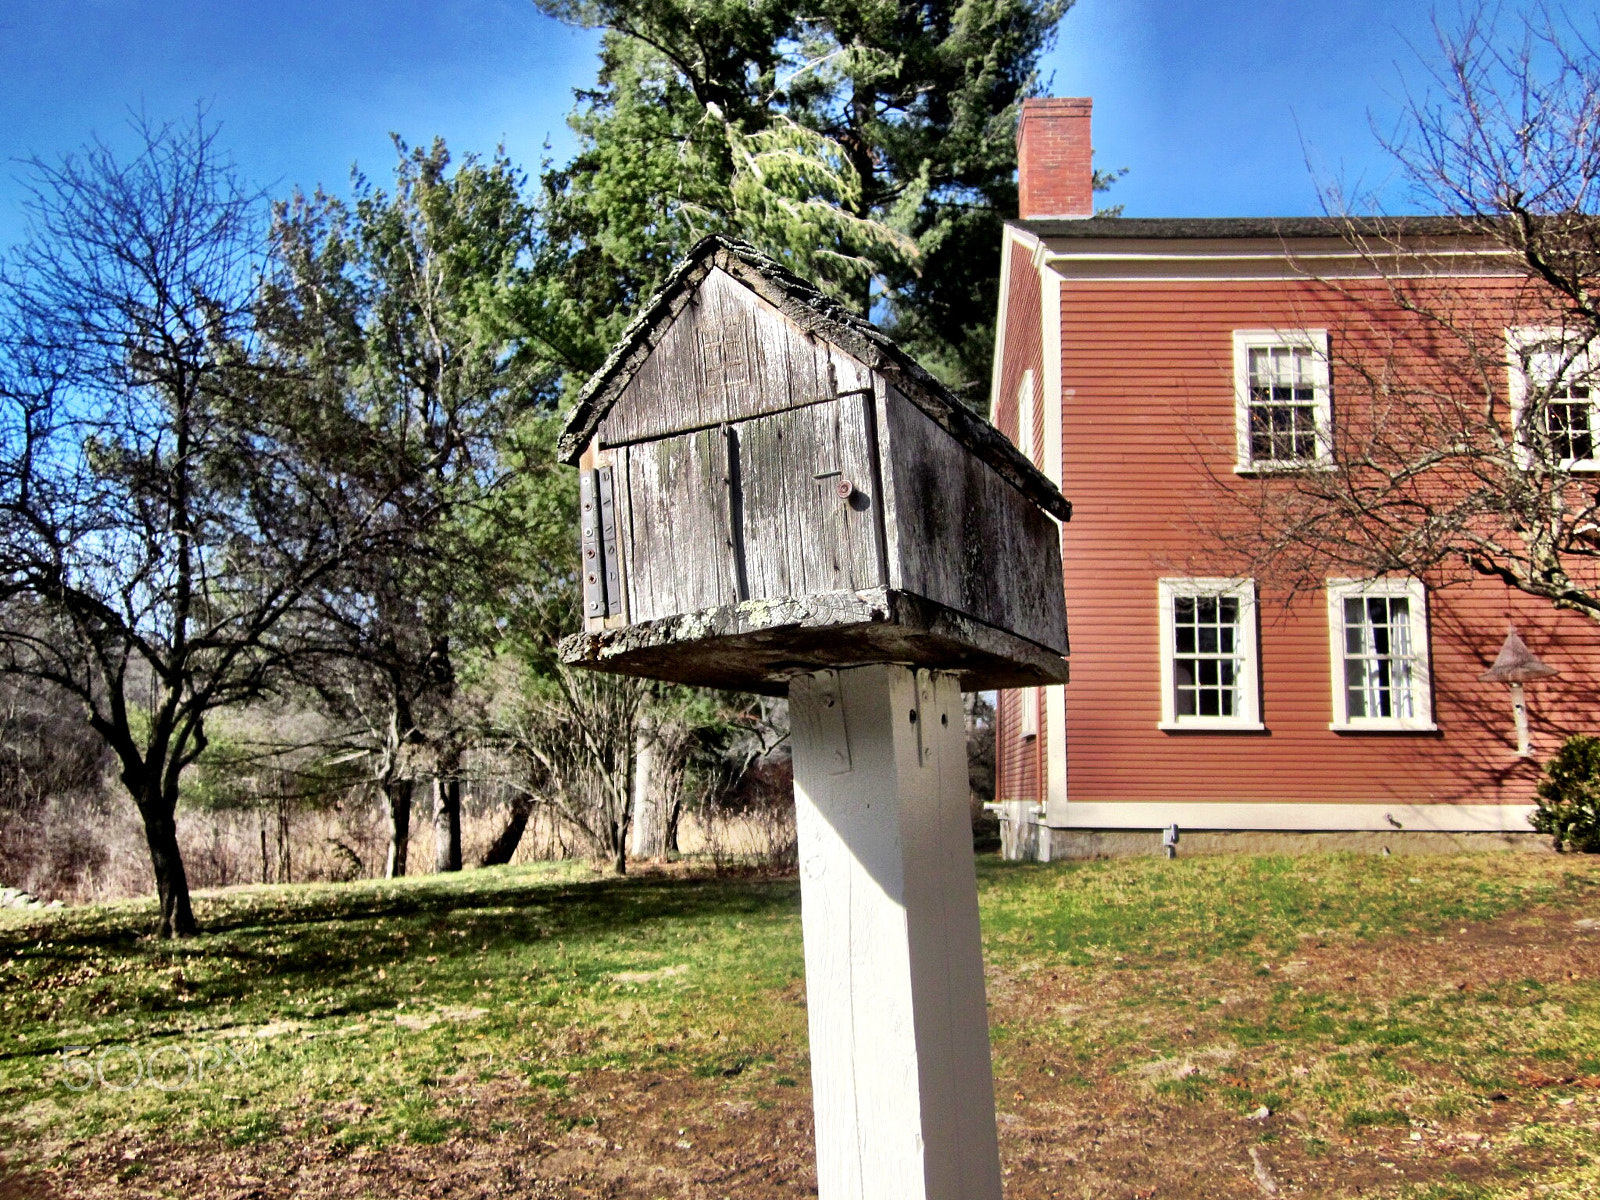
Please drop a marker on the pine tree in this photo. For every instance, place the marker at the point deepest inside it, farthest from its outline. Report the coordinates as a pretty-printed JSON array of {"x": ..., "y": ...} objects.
[{"x": 869, "y": 144}]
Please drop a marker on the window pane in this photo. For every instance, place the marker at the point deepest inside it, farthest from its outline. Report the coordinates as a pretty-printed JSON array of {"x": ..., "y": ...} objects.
[
  {"x": 1561, "y": 378},
  {"x": 1283, "y": 403},
  {"x": 1400, "y": 626},
  {"x": 1378, "y": 626},
  {"x": 1380, "y": 663},
  {"x": 1205, "y": 667},
  {"x": 1355, "y": 688}
]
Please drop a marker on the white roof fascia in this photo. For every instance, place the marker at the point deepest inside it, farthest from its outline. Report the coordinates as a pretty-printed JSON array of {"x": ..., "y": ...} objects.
[
  {"x": 1267, "y": 258},
  {"x": 1011, "y": 236}
]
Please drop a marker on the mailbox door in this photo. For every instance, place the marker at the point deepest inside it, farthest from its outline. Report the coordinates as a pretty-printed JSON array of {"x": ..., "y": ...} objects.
[
  {"x": 811, "y": 514},
  {"x": 781, "y": 505},
  {"x": 680, "y": 548}
]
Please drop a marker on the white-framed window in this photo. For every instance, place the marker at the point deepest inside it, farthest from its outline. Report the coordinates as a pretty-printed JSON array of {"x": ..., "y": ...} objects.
[
  {"x": 1555, "y": 397},
  {"x": 1028, "y": 713},
  {"x": 1282, "y": 398},
  {"x": 1209, "y": 675},
  {"x": 1378, "y": 640},
  {"x": 1025, "y": 415}
]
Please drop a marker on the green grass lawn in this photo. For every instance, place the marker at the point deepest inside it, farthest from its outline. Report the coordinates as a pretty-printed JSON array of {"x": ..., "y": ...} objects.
[{"x": 1414, "y": 1027}]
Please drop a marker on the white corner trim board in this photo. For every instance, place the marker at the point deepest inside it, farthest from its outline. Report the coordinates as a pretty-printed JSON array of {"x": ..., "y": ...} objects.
[
  {"x": 1299, "y": 818},
  {"x": 1055, "y": 701},
  {"x": 900, "y": 1073}
]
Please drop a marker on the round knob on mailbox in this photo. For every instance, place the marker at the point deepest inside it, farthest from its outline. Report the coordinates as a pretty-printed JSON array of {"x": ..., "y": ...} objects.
[{"x": 846, "y": 489}]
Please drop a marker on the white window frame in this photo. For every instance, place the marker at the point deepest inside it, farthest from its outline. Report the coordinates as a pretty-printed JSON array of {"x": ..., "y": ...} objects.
[
  {"x": 1315, "y": 340},
  {"x": 1413, "y": 590},
  {"x": 1026, "y": 406},
  {"x": 1521, "y": 343},
  {"x": 1247, "y": 707}
]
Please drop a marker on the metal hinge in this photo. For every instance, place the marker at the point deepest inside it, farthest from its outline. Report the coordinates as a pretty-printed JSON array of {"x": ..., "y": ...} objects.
[{"x": 602, "y": 574}]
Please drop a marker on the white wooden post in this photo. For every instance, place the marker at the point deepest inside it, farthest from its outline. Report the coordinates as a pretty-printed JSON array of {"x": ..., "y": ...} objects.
[
  {"x": 900, "y": 1072},
  {"x": 1519, "y": 714}
]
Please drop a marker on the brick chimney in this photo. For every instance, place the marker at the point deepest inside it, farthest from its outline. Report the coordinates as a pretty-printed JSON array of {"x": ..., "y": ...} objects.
[{"x": 1055, "y": 177}]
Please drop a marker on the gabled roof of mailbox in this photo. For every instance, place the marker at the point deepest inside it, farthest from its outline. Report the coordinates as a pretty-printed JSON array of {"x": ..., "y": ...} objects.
[{"x": 816, "y": 313}]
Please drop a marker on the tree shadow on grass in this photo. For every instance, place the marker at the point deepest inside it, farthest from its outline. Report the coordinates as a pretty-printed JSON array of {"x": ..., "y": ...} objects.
[{"x": 349, "y": 938}]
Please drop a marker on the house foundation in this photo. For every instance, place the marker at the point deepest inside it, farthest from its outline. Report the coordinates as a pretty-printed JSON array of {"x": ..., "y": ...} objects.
[{"x": 1134, "y": 843}]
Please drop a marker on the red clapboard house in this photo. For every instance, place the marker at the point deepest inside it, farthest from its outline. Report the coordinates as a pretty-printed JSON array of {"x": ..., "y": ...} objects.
[{"x": 1158, "y": 370}]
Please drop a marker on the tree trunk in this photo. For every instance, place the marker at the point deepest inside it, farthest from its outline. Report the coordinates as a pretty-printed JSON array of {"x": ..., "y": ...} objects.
[
  {"x": 505, "y": 845},
  {"x": 649, "y": 832},
  {"x": 397, "y": 794},
  {"x": 172, "y": 882},
  {"x": 447, "y": 824},
  {"x": 285, "y": 861},
  {"x": 674, "y": 813},
  {"x": 622, "y": 798}
]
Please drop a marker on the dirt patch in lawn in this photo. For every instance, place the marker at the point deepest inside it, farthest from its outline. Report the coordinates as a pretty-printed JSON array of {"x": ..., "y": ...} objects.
[
  {"x": 628, "y": 1137},
  {"x": 641, "y": 1138},
  {"x": 1110, "y": 1128},
  {"x": 1119, "y": 1133}
]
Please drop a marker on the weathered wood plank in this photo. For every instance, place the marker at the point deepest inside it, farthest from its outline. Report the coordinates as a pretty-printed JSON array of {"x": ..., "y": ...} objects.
[
  {"x": 728, "y": 356},
  {"x": 965, "y": 537},
  {"x": 756, "y": 645}
]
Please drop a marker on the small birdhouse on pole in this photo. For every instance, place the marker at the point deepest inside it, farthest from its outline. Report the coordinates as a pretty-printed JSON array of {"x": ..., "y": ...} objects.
[
  {"x": 776, "y": 498},
  {"x": 1516, "y": 665}
]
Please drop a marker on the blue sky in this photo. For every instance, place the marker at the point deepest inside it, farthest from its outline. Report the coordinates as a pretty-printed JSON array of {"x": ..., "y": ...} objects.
[
  {"x": 1212, "y": 107},
  {"x": 1240, "y": 109}
]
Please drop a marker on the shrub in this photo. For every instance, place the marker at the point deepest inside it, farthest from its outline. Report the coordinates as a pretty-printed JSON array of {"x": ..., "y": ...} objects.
[{"x": 1569, "y": 796}]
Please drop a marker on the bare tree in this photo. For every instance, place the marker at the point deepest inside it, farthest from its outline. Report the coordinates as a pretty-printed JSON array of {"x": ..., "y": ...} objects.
[
  {"x": 152, "y": 511},
  {"x": 575, "y": 732},
  {"x": 1467, "y": 429}
]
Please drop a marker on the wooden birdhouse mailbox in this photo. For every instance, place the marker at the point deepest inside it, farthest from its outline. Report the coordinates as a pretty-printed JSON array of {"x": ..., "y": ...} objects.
[
  {"x": 775, "y": 498},
  {"x": 1514, "y": 666},
  {"x": 768, "y": 479}
]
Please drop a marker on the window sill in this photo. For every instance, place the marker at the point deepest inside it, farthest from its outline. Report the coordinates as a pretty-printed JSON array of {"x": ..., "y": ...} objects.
[
  {"x": 1384, "y": 727},
  {"x": 1211, "y": 727},
  {"x": 1319, "y": 467}
]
